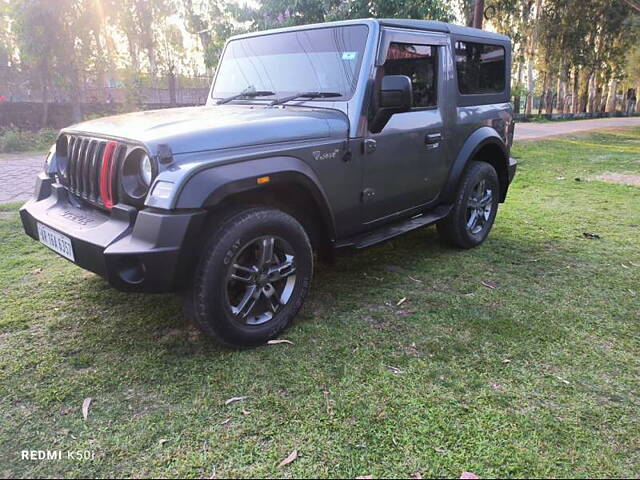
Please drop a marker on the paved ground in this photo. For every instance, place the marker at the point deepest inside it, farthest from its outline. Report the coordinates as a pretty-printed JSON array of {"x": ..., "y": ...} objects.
[
  {"x": 18, "y": 175},
  {"x": 18, "y": 171},
  {"x": 526, "y": 131}
]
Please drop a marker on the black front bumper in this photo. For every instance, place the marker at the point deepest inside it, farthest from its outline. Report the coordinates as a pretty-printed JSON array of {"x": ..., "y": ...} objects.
[{"x": 145, "y": 251}]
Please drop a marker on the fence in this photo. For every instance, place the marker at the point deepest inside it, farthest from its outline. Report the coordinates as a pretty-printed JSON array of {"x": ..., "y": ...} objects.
[{"x": 29, "y": 115}]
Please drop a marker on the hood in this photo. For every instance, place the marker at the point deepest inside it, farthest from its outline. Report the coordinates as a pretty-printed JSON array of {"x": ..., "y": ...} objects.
[{"x": 194, "y": 129}]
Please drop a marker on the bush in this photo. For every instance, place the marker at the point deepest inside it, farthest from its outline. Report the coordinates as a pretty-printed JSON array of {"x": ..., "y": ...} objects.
[{"x": 15, "y": 140}]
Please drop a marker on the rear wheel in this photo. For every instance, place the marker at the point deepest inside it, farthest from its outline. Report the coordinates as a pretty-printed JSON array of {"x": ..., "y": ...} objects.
[
  {"x": 252, "y": 279},
  {"x": 474, "y": 211}
]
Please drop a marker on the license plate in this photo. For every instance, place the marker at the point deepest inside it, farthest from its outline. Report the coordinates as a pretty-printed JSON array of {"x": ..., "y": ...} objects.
[{"x": 56, "y": 241}]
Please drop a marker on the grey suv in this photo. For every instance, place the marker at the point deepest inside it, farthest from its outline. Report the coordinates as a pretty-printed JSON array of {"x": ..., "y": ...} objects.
[{"x": 314, "y": 139}]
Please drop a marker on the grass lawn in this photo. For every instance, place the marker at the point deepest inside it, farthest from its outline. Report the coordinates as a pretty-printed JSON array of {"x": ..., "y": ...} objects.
[{"x": 518, "y": 358}]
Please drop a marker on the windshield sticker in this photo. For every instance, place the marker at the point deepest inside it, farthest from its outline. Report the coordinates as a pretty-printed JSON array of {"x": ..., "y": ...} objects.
[{"x": 349, "y": 55}]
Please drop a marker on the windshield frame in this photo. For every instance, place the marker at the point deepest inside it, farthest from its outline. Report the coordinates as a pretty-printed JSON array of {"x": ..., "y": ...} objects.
[{"x": 267, "y": 100}]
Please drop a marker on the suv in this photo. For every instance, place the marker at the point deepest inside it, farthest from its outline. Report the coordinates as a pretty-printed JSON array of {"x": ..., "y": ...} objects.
[{"x": 313, "y": 139}]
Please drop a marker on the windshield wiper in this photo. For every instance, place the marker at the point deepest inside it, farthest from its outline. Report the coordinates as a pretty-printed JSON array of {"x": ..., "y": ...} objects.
[
  {"x": 247, "y": 93},
  {"x": 278, "y": 101}
]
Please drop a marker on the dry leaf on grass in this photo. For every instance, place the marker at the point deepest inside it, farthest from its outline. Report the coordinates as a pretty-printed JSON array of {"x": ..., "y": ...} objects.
[
  {"x": 234, "y": 399},
  {"x": 394, "y": 369},
  {"x": 416, "y": 475},
  {"x": 364, "y": 477},
  {"x": 162, "y": 441},
  {"x": 85, "y": 407},
  {"x": 277, "y": 342},
  {"x": 489, "y": 284},
  {"x": 292, "y": 456},
  {"x": 401, "y": 301},
  {"x": 469, "y": 476}
]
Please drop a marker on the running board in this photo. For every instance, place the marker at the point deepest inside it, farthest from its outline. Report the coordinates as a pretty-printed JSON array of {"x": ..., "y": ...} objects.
[{"x": 396, "y": 229}]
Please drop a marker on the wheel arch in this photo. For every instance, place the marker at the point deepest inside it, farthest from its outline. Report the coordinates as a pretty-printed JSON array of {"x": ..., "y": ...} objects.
[
  {"x": 482, "y": 145},
  {"x": 292, "y": 186}
]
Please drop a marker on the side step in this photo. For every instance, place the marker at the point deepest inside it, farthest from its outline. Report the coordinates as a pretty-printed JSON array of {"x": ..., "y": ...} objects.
[{"x": 392, "y": 230}]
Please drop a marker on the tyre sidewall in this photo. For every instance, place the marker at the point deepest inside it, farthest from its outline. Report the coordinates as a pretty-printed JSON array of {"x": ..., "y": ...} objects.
[
  {"x": 214, "y": 310},
  {"x": 476, "y": 172}
]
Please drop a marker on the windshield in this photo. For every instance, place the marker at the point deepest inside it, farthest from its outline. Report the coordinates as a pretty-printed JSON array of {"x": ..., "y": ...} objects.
[{"x": 315, "y": 60}]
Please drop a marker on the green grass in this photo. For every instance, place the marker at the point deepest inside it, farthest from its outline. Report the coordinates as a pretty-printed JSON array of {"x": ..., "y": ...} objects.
[
  {"x": 539, "y": 376},
  {"x": 15, "y": 140}
]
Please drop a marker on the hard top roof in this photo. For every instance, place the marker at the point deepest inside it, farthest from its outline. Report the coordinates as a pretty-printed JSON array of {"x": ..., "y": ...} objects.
[
  {"x": 435, "y": 26},
  {"x": 426, "y": 25}
]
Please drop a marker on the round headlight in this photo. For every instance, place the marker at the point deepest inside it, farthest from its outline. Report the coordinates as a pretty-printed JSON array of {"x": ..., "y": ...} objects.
[
  {"x": 137, "y": 174},
  {"x": 146, "y": 170}
]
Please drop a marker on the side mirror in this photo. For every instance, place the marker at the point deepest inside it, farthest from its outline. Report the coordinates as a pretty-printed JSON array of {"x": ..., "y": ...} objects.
[{"x": 396, "y": 96}]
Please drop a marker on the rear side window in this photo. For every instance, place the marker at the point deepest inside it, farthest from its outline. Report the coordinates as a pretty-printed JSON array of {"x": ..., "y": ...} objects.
[
  {"x": 418, "y": 62},
  {"x": 481, "y": 68}
]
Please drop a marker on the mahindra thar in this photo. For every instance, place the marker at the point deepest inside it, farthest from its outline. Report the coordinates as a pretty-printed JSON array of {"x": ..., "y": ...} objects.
[{"x": 313, "y": 139}]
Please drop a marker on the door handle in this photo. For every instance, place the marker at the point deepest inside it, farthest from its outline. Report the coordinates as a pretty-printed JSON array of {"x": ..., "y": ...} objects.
[{"x": 432, "y": 139}]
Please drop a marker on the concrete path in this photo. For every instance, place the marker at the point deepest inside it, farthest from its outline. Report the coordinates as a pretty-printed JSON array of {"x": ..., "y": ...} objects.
[
  {"x": 526, "y": 131},
  {"x": 18, "y": 171}
]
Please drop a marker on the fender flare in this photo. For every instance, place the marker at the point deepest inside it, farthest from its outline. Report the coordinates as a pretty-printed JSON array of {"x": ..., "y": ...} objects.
[
  {"x": 209, "y": 187},
  {"x": 478, "y": 139}
]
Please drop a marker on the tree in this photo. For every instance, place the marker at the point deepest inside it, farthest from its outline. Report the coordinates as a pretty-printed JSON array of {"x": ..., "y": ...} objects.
[
  {"x": 279, "y": 13},
  {"x": 172, "y": 56},
  {"x": 36, "y": 28},
  {"x": 211, "y": 21}
]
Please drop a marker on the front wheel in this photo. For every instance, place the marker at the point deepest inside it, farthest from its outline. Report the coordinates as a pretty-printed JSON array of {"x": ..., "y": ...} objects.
[
  {"x": 252, "y": 278},
  {"x": 474, "y": 211}
]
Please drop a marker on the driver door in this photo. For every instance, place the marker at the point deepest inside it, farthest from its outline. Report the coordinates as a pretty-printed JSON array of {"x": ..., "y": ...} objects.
[{"x": 401, "y": 161}]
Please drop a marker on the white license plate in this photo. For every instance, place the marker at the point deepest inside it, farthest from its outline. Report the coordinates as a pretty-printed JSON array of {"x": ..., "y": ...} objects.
[{"x": 56, "y": 241}]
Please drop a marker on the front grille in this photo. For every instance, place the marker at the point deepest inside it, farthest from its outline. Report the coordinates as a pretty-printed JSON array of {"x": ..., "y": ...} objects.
[{"x": 81, "y": 174}]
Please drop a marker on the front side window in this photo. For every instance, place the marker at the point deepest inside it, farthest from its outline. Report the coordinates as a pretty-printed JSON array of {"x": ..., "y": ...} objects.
[
  {"x": 418, "y": 62},
  {"x": 480, "y": 67},
  {"x": 315, "y": 60}
]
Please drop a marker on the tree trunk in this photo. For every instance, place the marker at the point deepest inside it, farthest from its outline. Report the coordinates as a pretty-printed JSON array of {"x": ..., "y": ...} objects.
[
  {"x": 562, "y": 86},
  {"x": 172, "y": 87},
  {"x": 591, "y": 105},
  {"x": 584, "y": 90},
  {"x": 550, "y": 100},
  {"x": 532, "y": 54},
  {"x": 611, "y": 99},
  {"x": 543, "y": 95},
  {"x": 133, "y": 53},
  {"x": 531, "y": 85},
  {"x": 478, "y": 14},
  {"x": 76, "y": 96},
  {"x": 44, "y": 83},
  {"x": 576, "y": 89}
]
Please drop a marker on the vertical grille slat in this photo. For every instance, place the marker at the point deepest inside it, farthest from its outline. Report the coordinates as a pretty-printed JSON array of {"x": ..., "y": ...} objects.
[
  {"x": 118, "y": 159},
  {"x": 84, "y": 164},
  {"x": 80, "y": 165},
  {"x": 94, "y": 172},
  {"x": 72, "y": 162}
]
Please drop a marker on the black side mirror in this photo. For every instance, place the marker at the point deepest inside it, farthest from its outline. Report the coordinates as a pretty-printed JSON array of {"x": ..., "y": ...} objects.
[{"x": 396, "y": 96}]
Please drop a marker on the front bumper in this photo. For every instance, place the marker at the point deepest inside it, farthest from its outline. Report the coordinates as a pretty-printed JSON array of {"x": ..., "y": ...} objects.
[{"x": 144, "y": 251}]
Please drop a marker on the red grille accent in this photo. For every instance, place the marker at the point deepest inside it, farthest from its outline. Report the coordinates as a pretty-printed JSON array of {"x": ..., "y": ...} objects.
[{"x": 107, "y": 171}]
